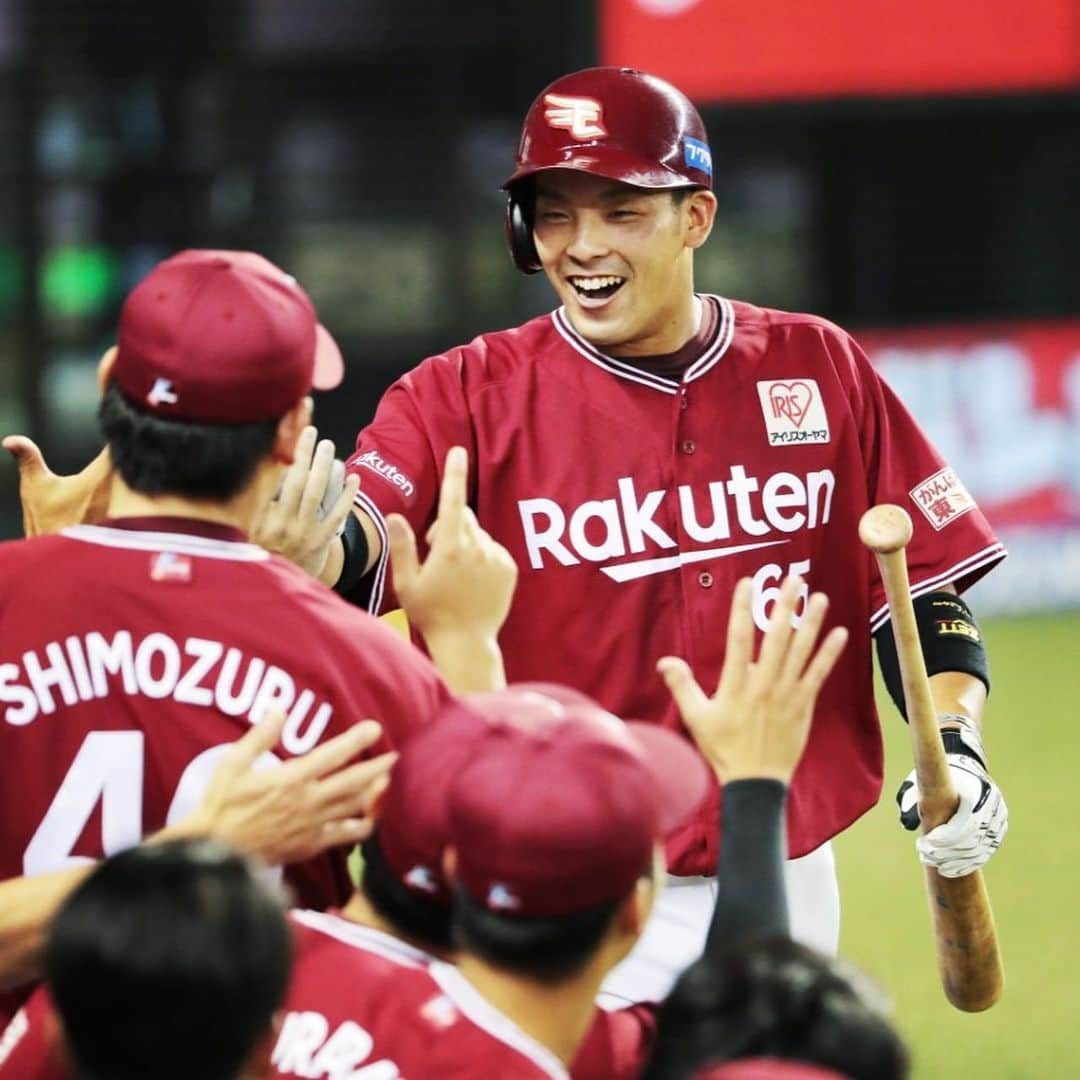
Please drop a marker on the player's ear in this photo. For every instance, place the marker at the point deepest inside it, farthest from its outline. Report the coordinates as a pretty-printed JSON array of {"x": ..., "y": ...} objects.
[
  {"x": 450, "y": 864},
  {"x": 290, "y": 427},
  {"x": 638, "y": 906},
  {"x": 105, "y": 368},
  {"x": 699, "y": 210}
]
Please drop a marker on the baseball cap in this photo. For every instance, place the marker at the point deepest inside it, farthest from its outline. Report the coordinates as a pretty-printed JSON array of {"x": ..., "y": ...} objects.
[
  {"x": 562, "y": 803},
  {"x": 412, "y": 829},
  {"x": 765, "y": 1069},
  {"x": 221, "y": 337}
]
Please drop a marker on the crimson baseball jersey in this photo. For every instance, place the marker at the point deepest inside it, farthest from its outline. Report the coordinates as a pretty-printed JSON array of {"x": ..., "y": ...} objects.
[
  {"x": 132, "y": 653},
  {"x": 31, "y": 1046},
  {"x": 364, "y": 1003},
  {"x": 633, "y": 502},
  {"x": 362, "y": 1000}
]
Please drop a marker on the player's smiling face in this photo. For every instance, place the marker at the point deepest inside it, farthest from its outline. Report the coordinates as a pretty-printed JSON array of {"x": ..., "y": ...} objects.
[{"x": 621, "y": 259}]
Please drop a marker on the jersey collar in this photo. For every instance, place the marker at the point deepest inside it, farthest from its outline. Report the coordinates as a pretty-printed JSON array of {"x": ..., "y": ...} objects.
[
  {"x": 725, "y": 333},
  {"x": 210, "y": 530}
]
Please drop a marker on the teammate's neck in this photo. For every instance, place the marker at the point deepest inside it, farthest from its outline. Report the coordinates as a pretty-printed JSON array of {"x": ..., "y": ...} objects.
[
  {"x": 360, "y": 911},
  {"x": 556, "y": 1015},
  {"x": 239, "y": 512}
]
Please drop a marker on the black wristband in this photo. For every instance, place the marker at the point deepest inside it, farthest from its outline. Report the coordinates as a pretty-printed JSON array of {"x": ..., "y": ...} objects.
[
  {"x": 354, "y": 545},
  {"x": 950, "y": 640}
]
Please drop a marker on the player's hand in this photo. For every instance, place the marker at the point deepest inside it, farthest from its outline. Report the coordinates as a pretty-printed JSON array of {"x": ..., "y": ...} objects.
[
  {"x": 308, "y": 512},
  {"x": 290, "y": 812},
  {"x": 757, "y": 723},
  {"x": 51, "y": 502},
  {"x": 466, "y": 583},
  {"x": 970, "y": 837}
]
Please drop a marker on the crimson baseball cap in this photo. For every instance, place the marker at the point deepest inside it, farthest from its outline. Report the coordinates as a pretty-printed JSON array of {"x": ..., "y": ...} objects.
[
  {"x": 562, "y": 803},
  {"x": 221, "y": 337},
  {"x": 618, "y": 123},
  {"x": 412, "y": 829},
  {"x": 765, "y": 1069}
]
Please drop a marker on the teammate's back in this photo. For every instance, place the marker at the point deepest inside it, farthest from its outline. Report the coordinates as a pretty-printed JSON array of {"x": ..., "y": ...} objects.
[{"x": 131, "y": 653}]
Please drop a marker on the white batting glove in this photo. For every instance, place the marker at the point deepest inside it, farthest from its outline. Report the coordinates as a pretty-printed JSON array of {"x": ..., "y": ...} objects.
[{"x": 966, "y": 841}]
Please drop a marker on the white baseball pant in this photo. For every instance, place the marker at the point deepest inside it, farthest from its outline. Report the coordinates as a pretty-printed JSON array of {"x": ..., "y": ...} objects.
[{"x": 675, "y": 934}]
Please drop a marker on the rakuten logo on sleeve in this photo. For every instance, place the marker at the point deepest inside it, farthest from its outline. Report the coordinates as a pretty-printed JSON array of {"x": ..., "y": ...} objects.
[{"x": 371, "y": 459}]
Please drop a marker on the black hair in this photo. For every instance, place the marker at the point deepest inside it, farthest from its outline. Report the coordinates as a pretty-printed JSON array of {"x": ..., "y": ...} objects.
[
  {"x": 679, "y": 195},
  {"x": 169, "y": 961},
  {"x": 774, "y": 998},
  {"x": 548, "y": 950},
  {"x": 424, "y": 920},
  {"x": 155, "y": 456}
]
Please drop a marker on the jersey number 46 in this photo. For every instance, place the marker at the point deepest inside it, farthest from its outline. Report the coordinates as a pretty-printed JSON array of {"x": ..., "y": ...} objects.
[{"x": 108, "y": 769}]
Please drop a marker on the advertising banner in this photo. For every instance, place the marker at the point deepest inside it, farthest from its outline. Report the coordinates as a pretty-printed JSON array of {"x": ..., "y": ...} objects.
[
  {"x": 718, "y": 50},
  {"x": 1002, "y": 403}
]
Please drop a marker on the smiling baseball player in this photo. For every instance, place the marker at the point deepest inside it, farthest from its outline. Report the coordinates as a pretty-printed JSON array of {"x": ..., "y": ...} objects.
[{"x": 644, "y": 446}]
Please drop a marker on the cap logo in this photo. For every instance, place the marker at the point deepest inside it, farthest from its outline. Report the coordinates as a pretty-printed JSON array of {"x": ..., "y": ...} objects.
[
  {"x": 582, "y": 117},
  {"x": 161, "y": 393},
  {"x": 420, "y": 877},
  {"x": 500, "y": 898},
  {"x": 697, "y": 155}
]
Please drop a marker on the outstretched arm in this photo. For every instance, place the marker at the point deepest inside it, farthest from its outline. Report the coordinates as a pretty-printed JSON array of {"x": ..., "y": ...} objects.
[
  {"x": 459, "y": 597},
  {"x": 753, "y": 731},
  {"x": 281, "y": 815}
]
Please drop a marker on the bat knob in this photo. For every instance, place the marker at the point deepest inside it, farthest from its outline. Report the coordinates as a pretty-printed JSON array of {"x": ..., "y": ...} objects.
[{"x": 885, "y": 529}]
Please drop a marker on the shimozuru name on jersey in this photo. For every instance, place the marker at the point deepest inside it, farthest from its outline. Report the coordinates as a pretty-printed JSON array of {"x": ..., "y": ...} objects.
[{"x": 197, "y": 671}]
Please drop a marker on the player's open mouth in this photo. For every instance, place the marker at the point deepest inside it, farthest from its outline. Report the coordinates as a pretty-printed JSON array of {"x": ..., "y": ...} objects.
[{"x": 596, "y": 291}]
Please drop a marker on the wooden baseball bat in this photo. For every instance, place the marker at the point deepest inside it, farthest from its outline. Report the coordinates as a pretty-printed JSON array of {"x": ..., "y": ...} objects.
[{"x": 967, "y": 949}]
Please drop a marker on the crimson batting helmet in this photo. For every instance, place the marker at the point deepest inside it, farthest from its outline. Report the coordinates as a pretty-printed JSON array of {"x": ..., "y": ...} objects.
[{"x": 608, "y": 121}]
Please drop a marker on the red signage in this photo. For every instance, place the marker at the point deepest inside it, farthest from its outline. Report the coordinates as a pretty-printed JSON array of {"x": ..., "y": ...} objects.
[
  {"x": 1002, "y": 403},
  {"x": 718, "y": 50}
]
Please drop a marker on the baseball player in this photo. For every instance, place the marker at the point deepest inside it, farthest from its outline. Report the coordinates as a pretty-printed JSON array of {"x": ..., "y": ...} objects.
[
  {"x": 358, "y": 997},
  {"x": 278, "y": 816},
  {"x": 133, "y": 651},
  {"x": 643, "y": 446}
]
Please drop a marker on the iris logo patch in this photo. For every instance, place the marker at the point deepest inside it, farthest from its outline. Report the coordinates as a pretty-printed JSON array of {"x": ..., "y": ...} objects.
[
  {"x": 697, "y": 155},
  {"x": 794, "y": 412}
]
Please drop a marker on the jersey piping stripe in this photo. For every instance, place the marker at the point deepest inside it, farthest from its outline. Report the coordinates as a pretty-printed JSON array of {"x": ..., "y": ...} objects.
[
  {"x": 724, "y": 337},
  {"x": 378, "y": 586},
  {"x": 991, "y": 554},
  {"x": 484, "y": 1015},
  {"x": 614, "y": 367},
  {"x": 363, "y": 937},
  {"x": 706, "y": 362},
  {"x": 181, "y": 543}
]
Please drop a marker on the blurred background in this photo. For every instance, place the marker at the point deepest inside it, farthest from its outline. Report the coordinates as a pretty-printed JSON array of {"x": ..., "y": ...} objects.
[{"x": 910, "y": 170}]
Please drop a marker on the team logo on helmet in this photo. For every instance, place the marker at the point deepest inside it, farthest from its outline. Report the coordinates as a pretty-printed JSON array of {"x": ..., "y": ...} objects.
[{"x": 583, "y": 117}]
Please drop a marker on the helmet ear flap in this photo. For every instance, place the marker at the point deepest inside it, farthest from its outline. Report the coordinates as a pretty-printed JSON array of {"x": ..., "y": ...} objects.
[{"x": 519, "y": 228}]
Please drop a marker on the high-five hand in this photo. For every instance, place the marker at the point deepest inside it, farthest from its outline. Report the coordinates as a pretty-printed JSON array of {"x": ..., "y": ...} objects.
[
  {"x": 292, "y": 811},
  {"x": 305, "y": 517},
  {"x": 459, "y": 597},
  {"x": 758, "y": 721},
  {"x": 51, "y": 502}
]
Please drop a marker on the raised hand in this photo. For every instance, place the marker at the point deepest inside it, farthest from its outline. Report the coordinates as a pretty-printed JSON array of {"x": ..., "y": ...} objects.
[
  {"x": 290, "y": 812},
  {"x": 51, "y": 502},
  {"x": 459, "y": 597},
  {"x": 758, "y": 721},
  {"x": 305, "y": 517}
]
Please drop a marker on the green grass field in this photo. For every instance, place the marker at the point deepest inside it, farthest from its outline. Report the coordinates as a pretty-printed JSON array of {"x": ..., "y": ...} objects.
[{"x": 1031, "y": 739}]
